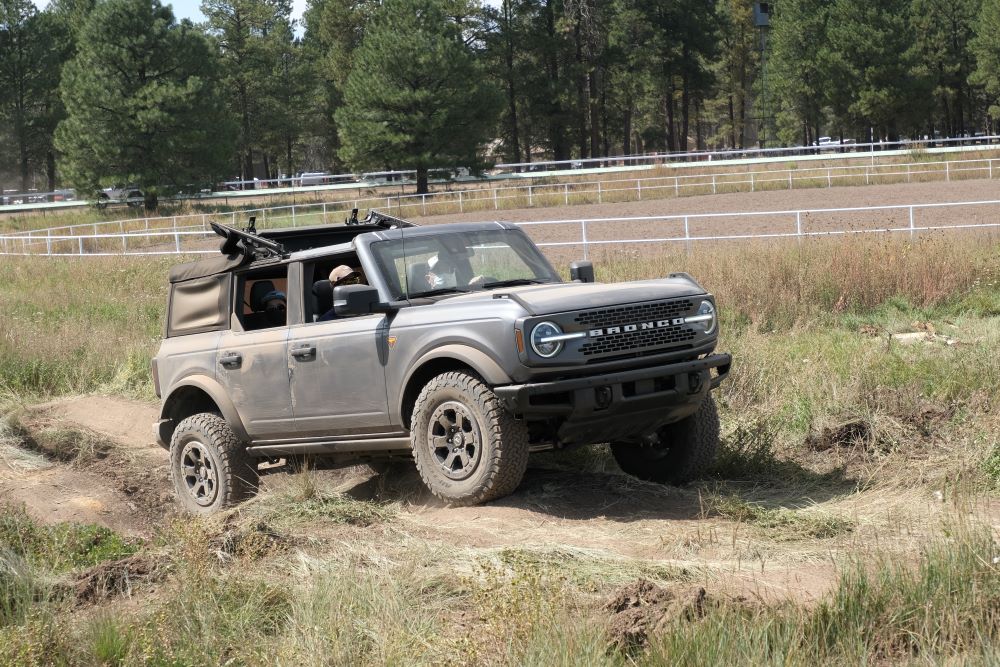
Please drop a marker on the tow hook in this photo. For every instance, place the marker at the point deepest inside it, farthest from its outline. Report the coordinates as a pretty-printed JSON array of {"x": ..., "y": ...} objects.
[{"x": 694, "y": 383}]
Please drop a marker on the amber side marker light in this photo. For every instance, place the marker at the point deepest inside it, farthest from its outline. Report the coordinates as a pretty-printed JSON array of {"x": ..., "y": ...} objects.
[{"x": 519, "y": 339}]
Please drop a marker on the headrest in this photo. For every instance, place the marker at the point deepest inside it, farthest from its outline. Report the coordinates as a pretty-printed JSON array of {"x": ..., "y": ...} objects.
[{"x": 260, "y": 289}]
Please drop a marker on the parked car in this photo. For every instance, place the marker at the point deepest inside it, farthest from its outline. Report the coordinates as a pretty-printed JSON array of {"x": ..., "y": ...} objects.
[{"x": 130, "y": 195}]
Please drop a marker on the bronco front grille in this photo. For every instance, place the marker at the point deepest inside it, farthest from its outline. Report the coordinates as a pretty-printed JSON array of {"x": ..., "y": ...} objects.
[{"x": 642, "y": 326}]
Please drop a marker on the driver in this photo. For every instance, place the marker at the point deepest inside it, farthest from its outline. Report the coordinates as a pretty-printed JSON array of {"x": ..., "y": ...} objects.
[{"x": 441, "y": 272}]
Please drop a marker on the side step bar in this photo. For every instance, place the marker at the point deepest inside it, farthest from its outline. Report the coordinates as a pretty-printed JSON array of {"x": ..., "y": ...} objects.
[{"x": 356, "y": 445}]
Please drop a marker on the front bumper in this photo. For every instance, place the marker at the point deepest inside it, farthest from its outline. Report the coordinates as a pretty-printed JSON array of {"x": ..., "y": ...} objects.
[{"x": 620, "y": 405}]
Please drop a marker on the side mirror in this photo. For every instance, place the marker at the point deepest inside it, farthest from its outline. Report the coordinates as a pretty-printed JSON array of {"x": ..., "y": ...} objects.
[
  {"x": 582, "y": 272},
  {"x": 355, "y": 300}
]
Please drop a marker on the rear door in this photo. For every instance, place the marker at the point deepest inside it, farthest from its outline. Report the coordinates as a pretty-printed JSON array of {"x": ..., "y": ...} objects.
[{"x": 252, "y": 364}]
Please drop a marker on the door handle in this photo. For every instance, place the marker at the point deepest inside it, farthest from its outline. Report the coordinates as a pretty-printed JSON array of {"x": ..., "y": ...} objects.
[
  {"x": 231, "y": 360},
  {"x": 304, "y": 352}
]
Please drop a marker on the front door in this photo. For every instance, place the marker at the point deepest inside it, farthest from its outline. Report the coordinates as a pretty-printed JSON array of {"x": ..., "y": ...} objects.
[{"x": 337, "y": 377}]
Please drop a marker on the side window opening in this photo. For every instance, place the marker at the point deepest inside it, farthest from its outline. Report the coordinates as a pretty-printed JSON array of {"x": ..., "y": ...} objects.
[
  {"x": 262, "y": 298},
  {"x": 343, "y": 269}
]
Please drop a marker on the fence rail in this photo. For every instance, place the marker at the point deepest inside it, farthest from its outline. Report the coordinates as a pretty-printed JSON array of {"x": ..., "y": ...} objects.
[
  {"x": 591, "y": 191},
  {"x": 585, "y": 233}
]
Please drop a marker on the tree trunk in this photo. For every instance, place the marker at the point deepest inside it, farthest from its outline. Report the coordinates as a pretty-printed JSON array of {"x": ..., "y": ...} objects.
[
  {"x": 557, "y": 136},
  {"x": 421, "y": 179},
  {"x": 671, "y": 143},
  {"x": 515, "y": 143},
  {"x": 581, "y": 96},
  {"x": 627, "y": 128},
  {"x": 50, "y": 169},
  {"x": 732, "y": 123},
  {"x": 595, "y": 115},
  {"x": 685, "y": 116}
]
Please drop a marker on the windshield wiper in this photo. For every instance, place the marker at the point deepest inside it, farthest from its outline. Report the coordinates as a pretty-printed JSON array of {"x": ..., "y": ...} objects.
[
  {"x": 514, "y": 282},
  {"x": 439, "y": 291}
]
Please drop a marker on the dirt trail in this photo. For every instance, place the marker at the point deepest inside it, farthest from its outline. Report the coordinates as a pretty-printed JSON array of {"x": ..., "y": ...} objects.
[
  {"x": 603, "y": 520},
  {"x": 126, "y": 489}
]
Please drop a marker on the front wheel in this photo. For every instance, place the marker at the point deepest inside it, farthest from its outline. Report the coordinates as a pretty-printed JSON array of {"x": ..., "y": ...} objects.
[
  {"x": 209, "y": 465},
  {"x": 468, "y": 448},
  {"x": 678, "y": 452}
]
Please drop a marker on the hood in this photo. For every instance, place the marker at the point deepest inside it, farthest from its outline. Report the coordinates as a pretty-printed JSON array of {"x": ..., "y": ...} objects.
[{"x": 563, "y": 297}]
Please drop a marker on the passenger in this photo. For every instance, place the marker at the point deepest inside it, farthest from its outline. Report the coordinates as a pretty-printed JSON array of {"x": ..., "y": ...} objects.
[
  {"x": 274, "y": 307},
  {"x": 341, "y": 275}
]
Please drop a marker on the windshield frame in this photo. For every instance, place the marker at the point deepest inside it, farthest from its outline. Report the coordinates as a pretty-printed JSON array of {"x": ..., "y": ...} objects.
[{"x": 386, "y": 254}]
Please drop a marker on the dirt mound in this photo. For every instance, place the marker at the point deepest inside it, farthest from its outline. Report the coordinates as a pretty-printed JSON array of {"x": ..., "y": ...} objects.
[
  {"x": 118, "y": 578},
  {"x": 641, "y": 609}
]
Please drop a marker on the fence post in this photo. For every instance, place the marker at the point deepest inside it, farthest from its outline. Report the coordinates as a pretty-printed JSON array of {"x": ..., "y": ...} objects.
[
  {"x": 80, "y": 239},
  {"x": 324, "y": 213},
  {"x": 387, "y": 205},
  {"x": 423, "y": 203},
  {"x": 121, "y": 228},
  {"x": 177, "y": 241},
  {"x": 714, "y": 191},
  {"x": 789, "y": 179},
  {"x": 599, "y": 196},
  {"x": 461, "y": 204},
  {"x": 293, "y": 215},
  {"x": 496, "y": 206},
  {"x": 48, "y": 242},
  {"x": 752, "y": 186},
  {"x": 912, "y": 230},
  {"x": 677, "y": 187},
  {"x": 908, "y": 175},
  {"x": 947, "y": 171},
  {"x": 687, "y": 237},
  {"x": 638, "y": 187},
  {"x": 798, "y": 225},
  {"x": 583, "y": 235},
  {"x": 530, "y": 200},
  {"x": 566, "y": 194},
  {"x": 829, "y": 178},
  {"x": 867, "y": 179}
]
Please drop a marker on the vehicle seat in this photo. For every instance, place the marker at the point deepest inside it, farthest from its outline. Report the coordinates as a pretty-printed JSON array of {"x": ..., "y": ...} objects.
[
  {"x": 258, "y": 318},
  {"x": 323, "y": 291},
  {"x": 416, "y": 277},
  {"x": 259, "y": 290}
]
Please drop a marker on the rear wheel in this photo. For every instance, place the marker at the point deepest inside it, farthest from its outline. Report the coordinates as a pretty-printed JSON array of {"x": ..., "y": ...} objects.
[
  {"x": 209, "y": 465},
  {"x": 467, "y": 447},
  {"x": 678, "y": 453}
]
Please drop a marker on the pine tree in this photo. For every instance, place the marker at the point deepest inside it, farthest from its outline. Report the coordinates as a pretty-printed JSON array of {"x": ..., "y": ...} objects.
[
  {"x": 142, "y": 103},
  {"x": 417, "y": 97}
]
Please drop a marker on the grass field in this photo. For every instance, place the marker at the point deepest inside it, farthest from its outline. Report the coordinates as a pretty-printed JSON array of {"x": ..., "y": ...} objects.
[{"x": 845, "y": 451}]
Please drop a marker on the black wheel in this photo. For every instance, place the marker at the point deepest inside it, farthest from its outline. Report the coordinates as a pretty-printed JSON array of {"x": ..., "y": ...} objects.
[
  {"x": 102, "y": 201},
  {"x": 467, "y": 447},
  {"x": 209, "y": 465},
  {"x": 678, "y": 453}
]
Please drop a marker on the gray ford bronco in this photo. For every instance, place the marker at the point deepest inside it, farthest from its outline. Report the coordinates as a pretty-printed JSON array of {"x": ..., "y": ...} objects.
[{"x": 460, "y": 346}]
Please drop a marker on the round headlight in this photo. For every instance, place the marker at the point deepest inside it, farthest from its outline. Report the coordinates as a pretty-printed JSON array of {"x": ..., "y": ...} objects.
[
  {"x": 706, "y": 316},
  {"x": 541, "y": 346}
]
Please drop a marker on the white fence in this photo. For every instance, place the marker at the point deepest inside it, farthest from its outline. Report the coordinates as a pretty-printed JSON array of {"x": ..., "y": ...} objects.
[
  {"x": 553, "y": 194},
  {"x": 585, "y": 233}
]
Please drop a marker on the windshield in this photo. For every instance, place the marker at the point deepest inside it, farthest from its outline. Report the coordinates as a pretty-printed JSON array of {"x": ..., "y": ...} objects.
[{"x": 450, "y": 262}]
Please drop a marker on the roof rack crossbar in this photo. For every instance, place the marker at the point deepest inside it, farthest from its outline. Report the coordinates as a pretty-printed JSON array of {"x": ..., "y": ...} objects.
[{"x": 246, "y": 243}]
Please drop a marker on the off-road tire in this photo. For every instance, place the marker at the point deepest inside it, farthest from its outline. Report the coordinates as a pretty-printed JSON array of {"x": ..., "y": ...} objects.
[
  {"x": 502, "y": 446},
  {"x": 685, "y": 450},
  {"x": 233, "y": 471}
]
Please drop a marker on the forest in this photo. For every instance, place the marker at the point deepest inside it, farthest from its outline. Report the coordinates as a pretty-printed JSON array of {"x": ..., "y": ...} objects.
[{"x": 119, "y": 91}]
